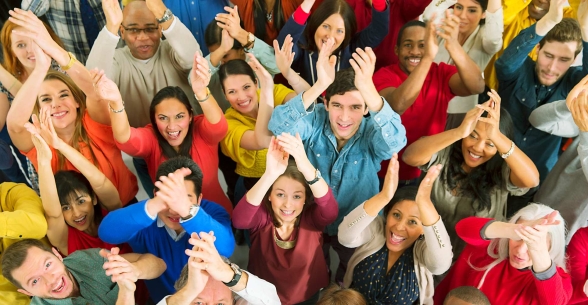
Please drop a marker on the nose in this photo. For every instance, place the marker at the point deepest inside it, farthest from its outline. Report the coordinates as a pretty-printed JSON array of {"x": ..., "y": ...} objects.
[
  {"x": 344, "y": 114},
  {"x": 551, "y": 65},
  {"x": 415, "y": 50},
  {"x": 521, "y": 248},
  {"x": 76, "y": 211},
  {"x": 479, "y": 146},
  {"x": 142, "y": 35},
  {"x": 50, "y": 279}
]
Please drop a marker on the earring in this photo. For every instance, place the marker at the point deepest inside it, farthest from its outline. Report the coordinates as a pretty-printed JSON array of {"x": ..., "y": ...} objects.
[{"x": 422, "y": 237}]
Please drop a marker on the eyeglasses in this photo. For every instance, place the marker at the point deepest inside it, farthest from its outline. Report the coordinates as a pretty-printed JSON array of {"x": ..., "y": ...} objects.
[{"x": 150, "y": 31}]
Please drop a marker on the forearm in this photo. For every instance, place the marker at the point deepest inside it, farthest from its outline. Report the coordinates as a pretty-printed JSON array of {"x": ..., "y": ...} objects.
[
  {"x": 499, "y": 229},
  {"x": 133, "y": 216},
  {"x": 210, "y": 108},
  {"x": 102, "y": 53},
  {"x": 149, "y": 266},
  {"x": 125, "y": 296},
  {"x": 493, "y": 6},
  {"x": 404, "y": 96},
  {"x": 24, "y": 102},
  {"x": 523, "y": 172},
  {"x": 298, "y": 83},
  {"x": 310, "y": 96},
  {"x": 262, "y": 134},
  {"x": 216, "y": 220},
  {"x": 215, "y": 58},
  {"x": 374, "y": 205},
  {"x": 372, "y": 98},
  {"x": 421, "y": 151},
  {"x": 468, "y": 70},
  {"x": 121, "y": 129},
  {"x": 554, "y": 118},
  {"x": 544, "y": 25},
  {"x": 257, "y": 193},
  {"x": 48, "y": 190},
  {"x": 182, "y": 42},
  {"x": 9, "y": 82}
]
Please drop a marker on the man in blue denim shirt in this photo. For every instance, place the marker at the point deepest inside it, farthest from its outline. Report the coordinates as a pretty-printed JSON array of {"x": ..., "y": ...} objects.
[
  {"x": 525, "y": 84},
  {"x": 345, "y": 146}
]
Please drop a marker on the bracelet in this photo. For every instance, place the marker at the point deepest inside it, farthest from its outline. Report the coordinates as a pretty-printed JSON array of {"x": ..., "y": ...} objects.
[
  {"x": 117, "y": 111},
  {"x": 206, "y": 98},
  {"x": 510, "y": 151},
  {"x": 72, "y": 60}
]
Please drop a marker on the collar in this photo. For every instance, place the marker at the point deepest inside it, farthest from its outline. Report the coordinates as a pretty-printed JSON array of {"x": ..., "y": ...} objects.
[{"x": 175, "y": 236}]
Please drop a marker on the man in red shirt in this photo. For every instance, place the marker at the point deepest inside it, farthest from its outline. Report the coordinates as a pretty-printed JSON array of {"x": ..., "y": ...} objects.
[{"x": 419, "y": 89}]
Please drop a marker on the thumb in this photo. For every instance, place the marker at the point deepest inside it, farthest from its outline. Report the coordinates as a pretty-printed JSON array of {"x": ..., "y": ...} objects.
[{"x": 332, "y": 60}]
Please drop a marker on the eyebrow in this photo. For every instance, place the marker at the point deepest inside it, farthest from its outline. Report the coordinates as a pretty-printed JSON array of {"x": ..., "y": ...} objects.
[
  {"x": 62, "y": 91},
  {"x": 136, "y": 24},
  {"x": 397, "y": 210}
]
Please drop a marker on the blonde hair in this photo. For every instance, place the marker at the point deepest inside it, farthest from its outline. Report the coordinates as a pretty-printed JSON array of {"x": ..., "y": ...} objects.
[{"x": 498, "y": 248}]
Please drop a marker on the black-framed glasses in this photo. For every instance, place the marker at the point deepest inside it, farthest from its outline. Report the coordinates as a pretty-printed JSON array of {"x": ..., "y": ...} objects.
[{"x": 136, "y": 31}]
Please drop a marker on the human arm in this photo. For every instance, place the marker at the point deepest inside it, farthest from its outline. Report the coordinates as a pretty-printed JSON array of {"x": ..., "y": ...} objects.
[
  {"x": 554, "y": 118},
  {"x": 577, "y": 252},
  {"x": 295, "y": 26},
  {"x": 136, "y": 217},
  {"x": 10, "y": 82},
  {"x": 22, "y": 216},
  {"x": 402, "y": 97},
  {"x": 468, "y": 79},
  {"x": 377, "y": 29},
  {"x": 284, "y": 57},
  {"x": 104, "y": 48},
  {"x": 199, "y": 80},
  {"x": 4, "y": 108},
  {"x": 109, "y": 94},
  {"x": 493, "y": 28}
]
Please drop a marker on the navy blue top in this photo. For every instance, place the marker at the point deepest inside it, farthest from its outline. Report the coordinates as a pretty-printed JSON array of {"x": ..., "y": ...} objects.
[{"x": 522, "y": 93}]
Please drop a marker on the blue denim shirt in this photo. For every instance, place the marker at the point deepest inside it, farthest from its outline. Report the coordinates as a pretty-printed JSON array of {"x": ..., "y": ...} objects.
[
  {"x": 196, "y": 15},
  {"x": 352, "y": 173},
  {"x": 522, "y": 93}
]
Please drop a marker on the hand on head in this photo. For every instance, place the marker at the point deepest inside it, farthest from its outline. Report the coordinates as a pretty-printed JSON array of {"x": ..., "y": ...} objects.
[
  {"x": 172, "y": 191},
  {"x": 293, "y": 146},
  {"x": 284, "y": 55},
  {"x": 493, "y": 119},
  {"x": 119, "y": 269}
]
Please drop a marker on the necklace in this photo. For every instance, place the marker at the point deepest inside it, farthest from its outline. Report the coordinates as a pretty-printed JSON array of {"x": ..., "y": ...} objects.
[
  {"x": 269, "y": 16},
  {"x": 286, "y": 245}
]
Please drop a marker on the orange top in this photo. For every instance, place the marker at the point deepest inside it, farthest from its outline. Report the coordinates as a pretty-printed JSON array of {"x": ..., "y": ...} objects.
[{"x": 108, "y": 158}]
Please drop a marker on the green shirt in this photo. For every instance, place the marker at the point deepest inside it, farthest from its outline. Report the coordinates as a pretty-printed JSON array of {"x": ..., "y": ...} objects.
[{"x": 95, "y": 286}]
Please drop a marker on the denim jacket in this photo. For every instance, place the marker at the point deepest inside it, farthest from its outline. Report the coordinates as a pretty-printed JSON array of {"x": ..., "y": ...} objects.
[
  {"x": 352, "y": 173},
  {"x": 522, "y": 93}
]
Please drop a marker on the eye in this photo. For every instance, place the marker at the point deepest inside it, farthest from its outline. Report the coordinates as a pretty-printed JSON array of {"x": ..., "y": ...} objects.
[
  {"x": 326, "y": 26},
  {"x": 247, "y": 87},
  {"x": 356, "y": 107},
  {"x": 340, "y": 31},
  {"x": 134, "y": 31},
  {"x": 162, "y": 118},
  {"x": 64, "y": 95},
  {"x": 421, "y": 45},
  {"x": 297, "y": 197},
  {"x": 34, "y": 282},
  {"x": 21, "y": 45},
  {"x": 407, "y": 45},
  {"x": 396, "y": 215},
  {"x": 48, "y": 265},
  {"x": 280, "y": 195},
  {"x": 412, "y": 222},
  {"x": 473, "y": 11},
  {"x": 65, "y": 207},
  {"x": 46, "y": 100},
  {"x": 564, "y": 60},
  {"x": 180, "y": 116},
  {"x": 548, "y": 55},
  {"x": 458, "y": 7},
  {"x": 490, "y": 144},
  {"x": 231, "y": 92},
  {"x": 81, "y": 201},
  {"x": 473, "y": 136}
]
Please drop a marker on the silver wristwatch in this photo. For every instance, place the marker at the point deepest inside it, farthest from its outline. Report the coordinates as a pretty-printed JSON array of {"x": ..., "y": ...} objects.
[{"x": 166, "y": 16}]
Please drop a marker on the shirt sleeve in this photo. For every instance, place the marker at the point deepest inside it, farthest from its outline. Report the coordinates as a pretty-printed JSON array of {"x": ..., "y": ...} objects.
[
  {"x": 385, "y": 132},
  {"x": 375, "y": 32},
  {"x": 231, "y": 144},
  {"x": 212, "y": 134},
  {"x": 516, "y": 53},
  {"x": 295, "y": 30},
  {"x": 555, "y": 290},
  {"x": 325, "y": 210},
  {"x": 182, "y": 43},
  {"x": 141, "y": 144},
  {"x": 385, "y": 78},
  {"x": 265, "y": 55},
  {"x": 102, "y": 54},
  {"x": 357, "y": 228},
  {"x": 213, "y": 217},
  {"x": 492, "y": 32},
  {"x": 577, "y": 262},
  {"x": 38, "y": 7},
  {"x": 470, "y": 230},
  {"x": 554, "y": 118},
  {"x": 134, "y": 217},
  {"x": 248, "y": 216},
  {"x": 293, "y": 118},
  {"x": 510, "y": 187},
  {"x": 259, "y": 291},
  {"x": 23, "y": 215}
]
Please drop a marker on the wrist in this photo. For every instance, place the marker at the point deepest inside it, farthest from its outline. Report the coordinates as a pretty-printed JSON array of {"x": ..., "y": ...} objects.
[
  {"x": 201, "y": 94},
  {"x": 113, "y": 28},
  {"x": 242, "y": 37},
  {"x": 227, "y": 273}
]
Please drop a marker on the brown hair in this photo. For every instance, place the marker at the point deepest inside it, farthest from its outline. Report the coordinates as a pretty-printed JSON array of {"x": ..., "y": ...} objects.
[
  {"x": 16, "y": 254},
  {"x": 336, "y": 295},
  {"x": 80, "y": 133},
  {"x": 324, "y": 11},
  {"x": 291, "y": 172},
  {"x": 468, "y": 294},
  {"x": 566, "y": 30},
  {"x": 11, "y": 63}
]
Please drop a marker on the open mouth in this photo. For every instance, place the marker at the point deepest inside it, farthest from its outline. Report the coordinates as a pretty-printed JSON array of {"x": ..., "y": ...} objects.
[
  {"x": 287, "y": 212},
  {"x": 396, "y": 239},
  {"x": 174, "y": 219},
  {"x": 173, "y": 135},
  {"x": 244, "y": 103},
  {"x": 538, "y": 8},
  {"x": 344, "y": 126},
  {"x": 59, "y": 287},
  {"x": 59, "y": 115},
  {"x": 414, "y": 61},
  {"x": 81, "y": 221},
  {"x": 144, "y": 48},
  {"x": 474, "y": 155},
  {"x": 519, "y": 260}
]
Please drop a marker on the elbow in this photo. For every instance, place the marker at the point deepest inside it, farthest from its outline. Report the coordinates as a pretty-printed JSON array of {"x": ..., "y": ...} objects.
[
  {"x": 409, "y": 158},
  {"x": 478, "y": 87}
]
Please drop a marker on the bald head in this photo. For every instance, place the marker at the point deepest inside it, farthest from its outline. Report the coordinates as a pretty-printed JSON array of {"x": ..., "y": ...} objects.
[{"x": 138, "y": 9}]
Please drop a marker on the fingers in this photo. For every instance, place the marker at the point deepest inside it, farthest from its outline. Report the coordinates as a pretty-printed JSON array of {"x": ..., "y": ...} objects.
[{"x": 393, "y": 166}]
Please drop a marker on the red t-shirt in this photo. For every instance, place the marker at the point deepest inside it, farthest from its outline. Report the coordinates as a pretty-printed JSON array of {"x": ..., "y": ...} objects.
[
  {"x": 108, "y": 158},
  {"x": 578, "y": 265},
  {"x": 428, "y": 113},
  {"x": 204, "y": 151}
]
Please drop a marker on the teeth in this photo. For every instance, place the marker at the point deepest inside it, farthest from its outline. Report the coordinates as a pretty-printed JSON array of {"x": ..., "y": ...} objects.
[
  {"x": 80, "y": 219},
  {"x": 475, "y": 156},
  {"x": 59, "y": 114},
  {"x": 287, "y": 212},
  {"x": 397, "y": 238},
  {"x": 245, "y": 103},
  {"x": 538, "y": 8},
  {"x": 59, "y": 286},
  {"x": 415, "y": 60},
  {"x": 174, "y": 134}
]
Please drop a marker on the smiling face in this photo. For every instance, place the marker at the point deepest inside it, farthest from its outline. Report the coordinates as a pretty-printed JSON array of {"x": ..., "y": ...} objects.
[
  {"x": 287, "y": 198},
  {"x": 140, "y": 30},
  {"x": 334, "y": 27},
  {"x": 477, "y": 148},
  {"x": 538, "y": 8},
  {"x": 470, "y": 13},
  {"x": 59, "y": 100},
  {"x": 518, "y": 253},
  {"x": 22, "y": 49},
  {"x": 170, "y": 217},
  {"x": 346, "y": 114},
  {"x": 403, "y": 226},
  {"x": 79, "y": 211},
  {"x": 44, "y": 275},
  {"x": 241, "y": 92},
  {"x": 173, "y": 121},
  {"x": 411, "y": 49},
  {"x": 553, "y": 61}
]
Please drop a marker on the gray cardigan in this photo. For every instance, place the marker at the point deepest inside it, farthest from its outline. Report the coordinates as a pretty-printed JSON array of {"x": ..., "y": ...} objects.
[{"x": 432, "y": 255}]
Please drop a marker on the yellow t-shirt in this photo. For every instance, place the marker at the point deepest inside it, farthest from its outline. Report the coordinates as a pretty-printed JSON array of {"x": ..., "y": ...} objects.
[
  {"x": 516, "y": 19},
  {"x": 250, "y": 163},
  {"x": 21, "y": 217}
]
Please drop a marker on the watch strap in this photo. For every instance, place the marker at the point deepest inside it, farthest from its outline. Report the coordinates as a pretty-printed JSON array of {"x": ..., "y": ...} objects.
[
  {"x": 167, "y": 15},
  {"x": 236, "y": 277},
  {"x": 316, "y": 178}
]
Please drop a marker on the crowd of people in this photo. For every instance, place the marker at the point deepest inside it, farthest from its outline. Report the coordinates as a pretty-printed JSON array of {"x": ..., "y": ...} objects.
[{"x": 438, "y": 148}]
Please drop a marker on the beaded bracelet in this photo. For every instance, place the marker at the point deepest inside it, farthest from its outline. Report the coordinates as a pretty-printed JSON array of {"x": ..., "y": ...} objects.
[
  {"x": 510, "y": 151},
  {"x": 117, "y": 111}
]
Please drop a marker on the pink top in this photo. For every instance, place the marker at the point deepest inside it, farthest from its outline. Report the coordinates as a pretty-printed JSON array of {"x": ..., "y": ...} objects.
[
  {"x": 297, "y": 273},
  {"x": 578, "y": 265},
  {"x": 205, "y": 138},
  {"x": 504, "y": 284}
]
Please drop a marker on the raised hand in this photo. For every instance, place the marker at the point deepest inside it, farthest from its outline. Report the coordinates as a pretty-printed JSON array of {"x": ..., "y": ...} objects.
[
  {"x": 276, "y": 160},
  {"x": 206, "y": 257},
  {"x": 172, "y": 190},
  {"x": 555, "y": 12},
  {"x": 294, "y": 147},
  {"x": 582, "y": 16},
  {"x": 265, "y": 78},
  {"x": 364, "y": 64},
  {"x": 44, "y": 152},
  {"x": 43, "y": 126},
  {"x": 284, "y": 55},
  {"x": 33, "y": 28},
  {"x": 119, "y": 269},
  {"x": 229, "y": 21},
  {"x": 157, "y": 7},
  {"x": 113, "y": 14},
  {"x": 197, "y": 274},
  {"x": 431, "y": 43},
  {"x": 469, "y": 122},
  {"x": 325, "y": 65},
  {"x": 227, "y": 42},
  {"x": 424, "y": 193},
  {"x": 579, "y": 109},
  {"x": 42, "y": 60},
  {"x": 200, "y": 75},
  {"x": 391, "y": 180},
  {"x": 105, "y": 88},
  {"x": 493, "y": 119},
  {"x": 449, "y": 30}
]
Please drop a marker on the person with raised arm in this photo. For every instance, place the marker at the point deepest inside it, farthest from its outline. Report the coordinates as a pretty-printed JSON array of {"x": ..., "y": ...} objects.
[
  {"x": 518, "y": 262},
  {"x": 481, "y": 166},
  {"x": 401, "y": 249},
  {"x": 286, "y": 212},
  {"x": 80, "y": 119}
]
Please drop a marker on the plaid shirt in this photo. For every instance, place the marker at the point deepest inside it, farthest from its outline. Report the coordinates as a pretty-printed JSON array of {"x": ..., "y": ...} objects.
[{"x": 66, "y": 20}]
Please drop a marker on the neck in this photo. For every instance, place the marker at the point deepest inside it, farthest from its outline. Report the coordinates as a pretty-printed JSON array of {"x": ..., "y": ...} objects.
[
  {"x": 269, "y": 5},
  {"x": 66, "y": 133},
  {"x": 462, "y": 37},
  {"x": 341, "y": 144},
  {"x": 393, "y": 257},
  {"x": 92, "y": 230},
  {"x": 254, "y": 112}
]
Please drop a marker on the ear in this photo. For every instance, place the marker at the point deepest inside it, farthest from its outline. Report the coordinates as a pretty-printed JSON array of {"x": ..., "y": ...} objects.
[
  {"x": 366, "y": 109},
  {"x": 484, "y": 15},
  {"x": 57, "y": 254},
  {"x": 24, "y": 292},
  {"x": 396, "y": 50},
  {"x": 199, "y": 199},
  {"x": 95, "y": 200}
]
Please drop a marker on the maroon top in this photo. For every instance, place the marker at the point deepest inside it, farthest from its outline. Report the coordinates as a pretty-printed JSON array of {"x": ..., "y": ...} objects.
[{"x": 297, "y": 273}]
